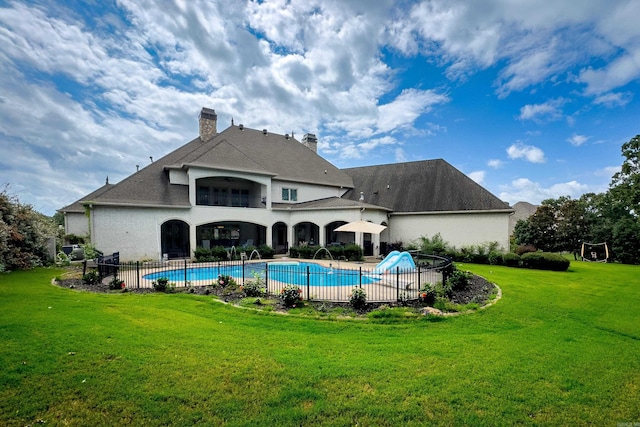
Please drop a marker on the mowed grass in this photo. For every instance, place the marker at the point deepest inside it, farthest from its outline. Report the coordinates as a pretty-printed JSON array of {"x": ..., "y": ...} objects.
[{"x": 557, "y": 349}]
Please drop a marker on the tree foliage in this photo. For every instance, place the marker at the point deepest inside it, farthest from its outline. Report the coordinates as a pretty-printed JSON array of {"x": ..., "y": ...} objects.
[
  {"x": 23, "y": 234},
  {"x": 563, "y": 224}
]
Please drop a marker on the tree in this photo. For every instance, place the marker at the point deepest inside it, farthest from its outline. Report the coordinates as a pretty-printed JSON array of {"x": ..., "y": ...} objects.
[
  {"x": 624, "y": 205},
  {"x": 23, "y": 234}
]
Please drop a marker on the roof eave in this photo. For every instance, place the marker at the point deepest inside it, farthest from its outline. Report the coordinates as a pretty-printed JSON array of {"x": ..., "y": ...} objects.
[
  {"x": 135, "y": 205},
  {"x": 470, "y": 211}
]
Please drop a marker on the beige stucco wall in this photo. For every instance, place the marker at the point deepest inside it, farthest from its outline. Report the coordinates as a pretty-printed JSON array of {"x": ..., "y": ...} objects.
[
  {"x": 306, "y": 192},
  {"x": 76, "y": 223},
  {"x": 457, "y": 229},
  {"x": 135, "y": 232}
]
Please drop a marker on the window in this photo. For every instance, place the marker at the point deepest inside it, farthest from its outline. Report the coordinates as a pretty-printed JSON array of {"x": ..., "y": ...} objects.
[
  {"x": 240, "y": 198},
  {"x": 219, "y": 197},
  {"x": 202, "y": 196},
  {"x": 290, "y": 194}
]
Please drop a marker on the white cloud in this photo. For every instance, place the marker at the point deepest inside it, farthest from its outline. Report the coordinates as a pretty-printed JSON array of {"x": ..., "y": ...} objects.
[
  {"x": 477, "y": 176},
  {"x": 613, "y": 99},
  {"x": 528, "y": 152},
  {"x": 406, "y": 108},
  {"x": 577, "y": 140},
  {"x": 523, "y": 189},
  {"x": 546, "y": 111},
  {"x": 495, "y": 163}
]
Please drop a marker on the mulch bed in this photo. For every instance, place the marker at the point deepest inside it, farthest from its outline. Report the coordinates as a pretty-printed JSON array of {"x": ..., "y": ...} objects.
[{"x": 479, "y": 290}]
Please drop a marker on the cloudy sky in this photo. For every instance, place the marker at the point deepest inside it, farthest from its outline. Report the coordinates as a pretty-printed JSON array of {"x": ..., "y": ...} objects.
[{"x": 531, "y": 99}]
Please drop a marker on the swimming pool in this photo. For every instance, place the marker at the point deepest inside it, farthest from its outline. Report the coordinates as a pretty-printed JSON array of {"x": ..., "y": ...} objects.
[{"x": 289, "y": 272}]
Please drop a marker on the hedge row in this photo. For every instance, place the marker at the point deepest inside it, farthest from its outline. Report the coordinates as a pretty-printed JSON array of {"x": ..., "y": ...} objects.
[
  {"x": 535, "y": 260},
  {"x": 219, "y": 253}
]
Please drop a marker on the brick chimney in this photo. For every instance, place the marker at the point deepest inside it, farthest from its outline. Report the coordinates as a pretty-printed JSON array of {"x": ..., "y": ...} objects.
[
  {"x": 208, "y": 123},
  {"x": 310, "y": 141}
]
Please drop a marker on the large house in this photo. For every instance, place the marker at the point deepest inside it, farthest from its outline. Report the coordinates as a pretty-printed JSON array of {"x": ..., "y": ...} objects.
[{"x": 244, "y": 187}]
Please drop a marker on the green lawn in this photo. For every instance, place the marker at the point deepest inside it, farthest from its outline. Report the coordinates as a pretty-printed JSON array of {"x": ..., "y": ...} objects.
[{"x": 557, "y": 349}]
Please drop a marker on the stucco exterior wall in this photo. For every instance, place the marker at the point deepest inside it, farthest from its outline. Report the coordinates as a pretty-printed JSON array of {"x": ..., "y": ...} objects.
[
  {"x": 306, "y": 192},
  {"x": 457, "y": 229},
  {"x": 76, "y": 223},
  {"x": 134, "y": 232}
]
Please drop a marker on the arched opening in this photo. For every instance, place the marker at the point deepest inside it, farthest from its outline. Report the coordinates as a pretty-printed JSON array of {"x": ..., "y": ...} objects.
[
  {"x": 334, "y": 238},
  {"x": 280, "y": 242},
  {"x": 230, "y": 233},
  {"x": 307, "y": 233},
  {"x": 174, "y": 238},
  {"x": 230, "y": 191}
]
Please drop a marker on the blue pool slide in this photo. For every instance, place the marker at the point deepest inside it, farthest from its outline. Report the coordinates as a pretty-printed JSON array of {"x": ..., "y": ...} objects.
[{"x": 394, "y": 260}]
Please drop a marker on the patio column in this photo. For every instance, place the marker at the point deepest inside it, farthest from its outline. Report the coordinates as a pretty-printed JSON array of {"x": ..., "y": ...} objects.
[
  {"x": 269, "y": 235},
  {"x": 322, "y": 236}
]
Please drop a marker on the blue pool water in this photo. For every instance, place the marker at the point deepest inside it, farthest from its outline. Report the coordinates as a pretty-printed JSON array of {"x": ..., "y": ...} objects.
[{"x": 293, "y": 273}]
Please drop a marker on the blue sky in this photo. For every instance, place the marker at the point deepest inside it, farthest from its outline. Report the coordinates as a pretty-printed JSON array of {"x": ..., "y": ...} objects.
[{"x": 531, "y": 99}]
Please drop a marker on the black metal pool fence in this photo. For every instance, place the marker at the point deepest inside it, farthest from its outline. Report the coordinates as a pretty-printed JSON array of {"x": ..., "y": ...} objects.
[{"x": 320, "y": 282}]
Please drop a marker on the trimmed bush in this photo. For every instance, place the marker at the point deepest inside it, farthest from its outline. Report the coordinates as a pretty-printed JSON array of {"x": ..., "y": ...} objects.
[
  {"x": 544, "y": 261},
  {"x": 511, "y": 259},
  {"x": 266, "y": 251},
  {"x": 353, "y": 252},
  {"x": 495, "y": 258},
  {"x": 217, "y": 253}
]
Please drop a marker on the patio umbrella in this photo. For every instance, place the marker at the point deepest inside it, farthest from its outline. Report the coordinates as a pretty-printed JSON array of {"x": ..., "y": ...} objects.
[{"x": 362, "y": 227}]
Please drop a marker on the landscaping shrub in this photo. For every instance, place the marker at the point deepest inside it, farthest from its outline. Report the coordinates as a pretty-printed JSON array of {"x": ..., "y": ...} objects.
[
  {"x": 495, "y": 258},
  {"x": 291, "y": 295},
  {"x": 544, "y": 261},
  {"x": 225, "y": 281},
  {"x": 435, "y": 245},
  {"x": 266, "y": 251},
  {"x": 216, "y": 253},
  {"x": 305, "y": 252},
  {"x": 90, "y": 251},
  {"x": 116, "y": 283},
  {"x": 358, "y": 298},
  {"x": 458, "y": 280},
  {"x": 353, "y": 252},
  {"x": 161, "y": 284},
  {"x": 511, "y": 259},
  {"x": 91, "y": 277},
  {"x": 337, "y": 252},
  {"x": 254, "y": 288},
  {"x": 428, "y": 293}
]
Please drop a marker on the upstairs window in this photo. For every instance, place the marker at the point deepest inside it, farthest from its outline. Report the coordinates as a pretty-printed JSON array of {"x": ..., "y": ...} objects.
[
  {"x": 202, "y": 197},
  {"x": 290, "y": 194}
]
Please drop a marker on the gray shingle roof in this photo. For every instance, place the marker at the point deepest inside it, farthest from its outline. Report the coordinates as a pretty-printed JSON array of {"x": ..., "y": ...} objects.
[
  {"x": 77, "y": 205},
  {"x": 234, "y": 148},
  {"x": 423, "y": 186}
]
